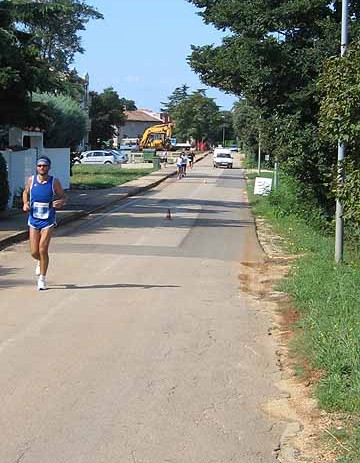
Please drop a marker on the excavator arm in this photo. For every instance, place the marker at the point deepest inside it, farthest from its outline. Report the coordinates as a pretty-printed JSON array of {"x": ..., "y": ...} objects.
[{"x": 157, "y": 136}]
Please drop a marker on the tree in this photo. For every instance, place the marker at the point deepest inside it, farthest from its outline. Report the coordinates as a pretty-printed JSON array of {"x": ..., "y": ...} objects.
[
  {"x": 226, "y": 129},
  {"x": 106, "y": 113},
  {"x": 128, "y": 105},
  {"x": 179, "y": 94},
  {"x": 246, "y": 125},
  {"x": 57, "y": 31},
  {"x": 67, "y": 121},
  {"x": 4, "y": 184},
  {"x": 197, "y": 117},
  {"x": 339, "y": 86},
  {"x": 24, "y": 66},
  {"x": 273, "y": 56}
]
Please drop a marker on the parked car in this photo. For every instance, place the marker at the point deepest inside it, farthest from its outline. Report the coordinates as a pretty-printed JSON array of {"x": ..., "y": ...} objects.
[
  {"x": 100, "y": 157},
  {"x": 234, "y": 148},
  {"x": 133, "y": 148},
  {"x": 223, "y": 158},
  {"x": 123, "y": 155}
]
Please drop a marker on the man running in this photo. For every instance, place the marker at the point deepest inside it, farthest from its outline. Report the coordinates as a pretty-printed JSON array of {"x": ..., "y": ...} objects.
[
  {"x": 184, "y": 163},
  {"x": 179, "y": 164},
  {"x": 191, "y": 157},
  {"x": 42, "y": 195}
]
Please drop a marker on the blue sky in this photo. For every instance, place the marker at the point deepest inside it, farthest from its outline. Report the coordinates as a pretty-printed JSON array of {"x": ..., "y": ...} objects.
[{"x": 140, "y": 49}]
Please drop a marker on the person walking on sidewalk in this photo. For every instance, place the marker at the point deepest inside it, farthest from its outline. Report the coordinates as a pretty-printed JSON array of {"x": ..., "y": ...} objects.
[{"x": 42, "y": 195}]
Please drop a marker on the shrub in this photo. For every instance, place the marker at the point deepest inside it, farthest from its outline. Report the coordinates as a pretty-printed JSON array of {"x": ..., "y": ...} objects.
[
  {"x": 4, "y": 184},
  {"x": 292, "y": 198}
]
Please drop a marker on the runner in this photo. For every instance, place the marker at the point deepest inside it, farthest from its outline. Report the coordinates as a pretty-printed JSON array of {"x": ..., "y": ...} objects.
[
  {"x": 42, "y": 195},
  {"x": 191, "y": 157},
  {"x": 184, "y": 163},
  {"x": 164, "y": 158},
  {"x": 179, "y": 164}
]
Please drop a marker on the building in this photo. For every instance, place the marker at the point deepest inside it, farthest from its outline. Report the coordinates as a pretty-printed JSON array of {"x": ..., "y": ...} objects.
[{"x": 137, "y": 122}]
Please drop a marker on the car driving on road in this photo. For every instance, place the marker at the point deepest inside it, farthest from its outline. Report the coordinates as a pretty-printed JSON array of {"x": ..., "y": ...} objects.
[{"x": 223, "y": 159}]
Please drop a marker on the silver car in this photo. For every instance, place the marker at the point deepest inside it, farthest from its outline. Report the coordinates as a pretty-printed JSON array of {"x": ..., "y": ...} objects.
[{"x": 100, "y": 157}]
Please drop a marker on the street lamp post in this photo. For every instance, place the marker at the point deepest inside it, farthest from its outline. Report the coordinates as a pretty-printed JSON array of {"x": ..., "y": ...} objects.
[{"x": 339, "y": 219}]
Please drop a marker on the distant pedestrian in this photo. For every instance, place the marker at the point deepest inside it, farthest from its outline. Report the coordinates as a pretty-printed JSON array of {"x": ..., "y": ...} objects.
[
  {"x": 42, "y": 195},
  {"x": 164, "y": 158}
]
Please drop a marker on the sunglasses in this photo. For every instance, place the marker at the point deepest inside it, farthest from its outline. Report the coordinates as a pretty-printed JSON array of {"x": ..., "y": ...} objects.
[{"x": 42, "y": 165}]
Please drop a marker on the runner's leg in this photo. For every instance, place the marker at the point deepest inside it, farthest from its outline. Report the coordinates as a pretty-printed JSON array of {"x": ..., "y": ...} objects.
[
  {"x": 45, "y": 237},
  {"x": 34, "y": 239}
]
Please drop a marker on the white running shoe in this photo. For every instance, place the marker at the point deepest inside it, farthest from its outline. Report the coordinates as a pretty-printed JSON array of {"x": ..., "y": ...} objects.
[
  {"x": 41, "y": 284},
  {"x": 37, "y": 269}
]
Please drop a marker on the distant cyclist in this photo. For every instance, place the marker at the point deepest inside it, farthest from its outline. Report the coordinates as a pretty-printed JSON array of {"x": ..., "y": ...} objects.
[{"x": 42, "y": 195}]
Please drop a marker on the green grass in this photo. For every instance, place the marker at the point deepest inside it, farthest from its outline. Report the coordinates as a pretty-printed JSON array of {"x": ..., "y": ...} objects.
[
  {"x": 328, "y": 298},
  {"x": 100, "y": 177}
]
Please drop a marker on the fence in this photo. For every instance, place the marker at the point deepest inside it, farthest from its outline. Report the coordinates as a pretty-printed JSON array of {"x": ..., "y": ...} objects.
[{"x": 21, "y": 165}]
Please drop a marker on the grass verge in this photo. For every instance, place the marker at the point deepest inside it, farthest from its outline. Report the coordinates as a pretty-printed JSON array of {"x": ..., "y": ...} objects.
[
  {"x": 100, "y": 177},
  {"x": 328, "y": 299}
]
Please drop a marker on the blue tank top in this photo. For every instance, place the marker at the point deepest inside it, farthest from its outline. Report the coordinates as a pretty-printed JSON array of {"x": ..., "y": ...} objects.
[{"x": 42, "y": 212}]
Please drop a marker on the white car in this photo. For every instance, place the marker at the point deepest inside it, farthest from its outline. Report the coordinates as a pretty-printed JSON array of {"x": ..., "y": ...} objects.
[
  {"x": 99, "y": 157},
  {"x": 223, "y": 159}
]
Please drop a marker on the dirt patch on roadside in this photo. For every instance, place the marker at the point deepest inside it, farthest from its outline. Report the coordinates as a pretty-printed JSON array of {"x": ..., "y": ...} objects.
[{"x": 303, "y": 440}]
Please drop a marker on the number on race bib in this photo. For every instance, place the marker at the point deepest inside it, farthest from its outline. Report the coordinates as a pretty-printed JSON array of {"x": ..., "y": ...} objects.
[{"x": 41, "y": 210}]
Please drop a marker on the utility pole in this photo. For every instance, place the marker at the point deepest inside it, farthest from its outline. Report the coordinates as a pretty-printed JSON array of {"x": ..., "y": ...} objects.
[
  {"x": 276, "y": 173},
  {"x": 259, "y": 153},
  {"x": 259, "y": 146},
  {"x": 339, "y": 219},
  {"x": 223, "y": 143}
]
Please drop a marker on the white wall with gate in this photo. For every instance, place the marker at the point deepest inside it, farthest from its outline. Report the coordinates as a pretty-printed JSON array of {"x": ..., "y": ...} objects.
[{"x": 22, "y": 164}]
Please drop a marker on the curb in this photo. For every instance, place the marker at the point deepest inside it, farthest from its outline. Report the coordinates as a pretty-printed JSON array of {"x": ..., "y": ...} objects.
[{"x": 71, "y": 216}]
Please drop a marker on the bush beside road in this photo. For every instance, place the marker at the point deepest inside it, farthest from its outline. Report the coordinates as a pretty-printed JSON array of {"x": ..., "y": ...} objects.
[{"x": 327, "y": 333}]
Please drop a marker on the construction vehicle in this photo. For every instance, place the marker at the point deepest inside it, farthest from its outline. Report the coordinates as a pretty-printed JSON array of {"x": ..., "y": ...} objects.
[{"x": 157, "y": 137}]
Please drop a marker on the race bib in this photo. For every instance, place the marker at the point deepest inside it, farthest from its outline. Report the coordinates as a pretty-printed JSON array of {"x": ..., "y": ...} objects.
[{"x": 41, "y": 210}]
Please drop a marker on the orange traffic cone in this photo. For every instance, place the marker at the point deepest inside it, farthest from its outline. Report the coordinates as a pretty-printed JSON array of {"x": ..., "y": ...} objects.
[{"x": 168, "y": 214}]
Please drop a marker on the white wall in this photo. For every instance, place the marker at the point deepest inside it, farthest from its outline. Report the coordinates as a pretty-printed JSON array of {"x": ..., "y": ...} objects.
[
  {"x": 22, "y": 164},
  {"x": 60, "y": 164},
  {"x": 20, "y": 167}
]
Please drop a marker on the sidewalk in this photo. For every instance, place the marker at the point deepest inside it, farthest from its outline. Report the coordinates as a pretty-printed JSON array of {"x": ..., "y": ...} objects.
[{"x": 13, "y": 223}]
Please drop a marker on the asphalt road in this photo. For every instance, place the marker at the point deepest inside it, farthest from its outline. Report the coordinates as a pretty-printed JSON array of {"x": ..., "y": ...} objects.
[{"x": 144, "y": 349}]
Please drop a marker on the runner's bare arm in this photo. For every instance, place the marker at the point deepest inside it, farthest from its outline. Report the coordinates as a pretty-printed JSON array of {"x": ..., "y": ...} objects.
[
  {"x": 60, "y": 200},
  {"x": 25, "y": 196}
]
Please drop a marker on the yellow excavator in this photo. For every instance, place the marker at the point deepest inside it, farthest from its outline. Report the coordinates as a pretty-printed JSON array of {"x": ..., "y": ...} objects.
[{"x": 157, "y": 137}]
